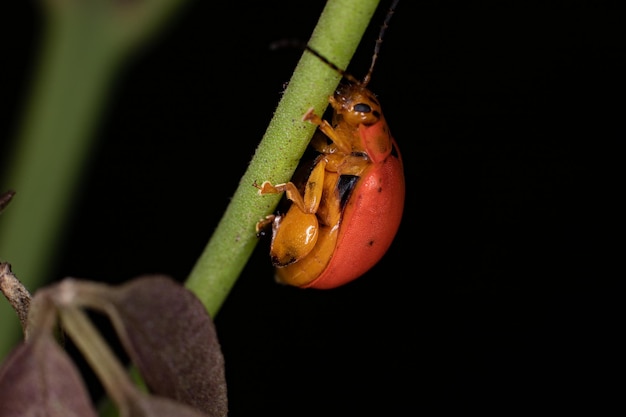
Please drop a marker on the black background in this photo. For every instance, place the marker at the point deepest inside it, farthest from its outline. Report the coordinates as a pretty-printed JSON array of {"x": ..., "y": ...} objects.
[{"x": 493, "y": 297}]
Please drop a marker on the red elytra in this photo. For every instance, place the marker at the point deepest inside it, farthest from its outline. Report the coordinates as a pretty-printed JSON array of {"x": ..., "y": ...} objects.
[
  {"x": 344, "y": 218},
  {"x": 370, "y": 221}
]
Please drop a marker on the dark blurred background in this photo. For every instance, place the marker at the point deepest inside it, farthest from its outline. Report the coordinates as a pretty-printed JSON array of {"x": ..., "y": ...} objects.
[{"x": 493, "y": 296}]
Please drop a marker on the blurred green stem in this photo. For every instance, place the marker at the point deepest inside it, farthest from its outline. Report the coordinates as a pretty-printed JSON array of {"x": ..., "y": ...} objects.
[
  {"x": 84, "y": 44},
  {"x": 336, "y": 36}
]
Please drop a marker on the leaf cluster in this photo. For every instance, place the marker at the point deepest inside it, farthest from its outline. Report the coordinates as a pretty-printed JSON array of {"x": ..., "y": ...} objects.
[{"x": 163, "y": 327}]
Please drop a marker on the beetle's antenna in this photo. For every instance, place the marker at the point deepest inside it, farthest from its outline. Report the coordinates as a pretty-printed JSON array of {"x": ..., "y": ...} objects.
[
  {"x": 379, "y": 41},
  {"x": 325, "y": 60},
  {"x": 294, "y": 43}
]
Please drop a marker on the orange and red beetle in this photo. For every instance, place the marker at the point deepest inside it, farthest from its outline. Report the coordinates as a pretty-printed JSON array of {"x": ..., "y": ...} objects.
[{"x": 344, "y": 218}]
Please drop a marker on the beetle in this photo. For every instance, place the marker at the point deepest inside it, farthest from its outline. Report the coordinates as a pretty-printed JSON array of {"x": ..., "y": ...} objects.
[{"x": 346, "y": 214}]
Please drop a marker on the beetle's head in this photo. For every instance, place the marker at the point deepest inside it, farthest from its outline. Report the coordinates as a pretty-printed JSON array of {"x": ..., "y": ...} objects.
[{"x": 356, "y": 105}]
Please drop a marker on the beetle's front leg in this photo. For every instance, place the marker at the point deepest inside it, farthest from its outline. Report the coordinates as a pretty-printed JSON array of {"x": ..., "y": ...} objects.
[{"x": 328, "y": 130}]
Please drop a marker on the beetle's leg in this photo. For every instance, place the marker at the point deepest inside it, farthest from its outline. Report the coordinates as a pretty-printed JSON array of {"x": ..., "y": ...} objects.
[
  {"x": 328, "y": 130},
  {"x": 354, "y": 165},
  {"x": 324, "y": 126},
  {"x": 263, "y": 224},
  {"x": 347, "y": 164},
  {"x": 288, "y": 188},
  {"x": 310, "y": 201},
  {"x": 321, "y": 143},
  {"x": 295, "y": 234},
  {"x": 314, "y": 186}
]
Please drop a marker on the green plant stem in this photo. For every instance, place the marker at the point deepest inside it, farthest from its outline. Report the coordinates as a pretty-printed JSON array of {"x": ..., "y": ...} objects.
[
  {"x": 84, "y": 45},
  {"x": 113, "y": 376},
  {"x": 336, "y": 36},
  {"x": 46, "y": 165}
]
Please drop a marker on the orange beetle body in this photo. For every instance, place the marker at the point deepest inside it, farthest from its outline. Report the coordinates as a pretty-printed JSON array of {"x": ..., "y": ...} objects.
[
  {"x": 368, "y": 226},
  {"x": 349, "y": 210},
  {"x": 345, "y": 216}
]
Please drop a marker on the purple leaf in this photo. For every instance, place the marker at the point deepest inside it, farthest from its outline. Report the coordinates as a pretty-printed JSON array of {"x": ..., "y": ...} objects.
[
  {"x": 39, "y": 379},
  {"x": 171, "y": 338},
  {"x": 152, "y": 406},
  {"x": 5, "y": 198}
]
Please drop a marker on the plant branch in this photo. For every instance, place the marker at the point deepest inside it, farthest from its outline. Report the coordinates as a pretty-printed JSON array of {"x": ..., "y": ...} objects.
[{"x": 336, "y": 36}]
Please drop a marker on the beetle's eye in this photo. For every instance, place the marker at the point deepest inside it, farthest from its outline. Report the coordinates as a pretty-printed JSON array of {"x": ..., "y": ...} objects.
[{"x": 362, "y": 108}]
